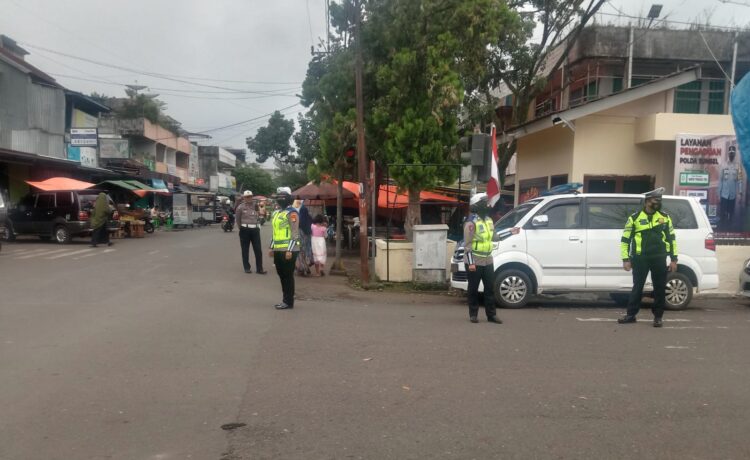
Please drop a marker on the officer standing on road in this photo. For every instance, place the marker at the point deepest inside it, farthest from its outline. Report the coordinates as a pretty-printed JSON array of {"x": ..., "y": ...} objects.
[
  {"x": 285, "y": 245},
  {"x": 249, "y": 225},
  {"x": 647, "y": 240},
  {"x": 478, "y": 231}
]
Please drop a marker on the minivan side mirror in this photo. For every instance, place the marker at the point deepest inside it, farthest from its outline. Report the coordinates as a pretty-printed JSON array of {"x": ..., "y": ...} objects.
[{"x": 540, "y": 221}]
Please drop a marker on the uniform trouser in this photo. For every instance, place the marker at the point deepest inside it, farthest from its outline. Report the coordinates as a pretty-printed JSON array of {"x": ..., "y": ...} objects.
[
  {"x": 641, "y": 267},
  {"x": 248, "y": 236},
  {"x": 285, "y": 270},
  {"x": 485, "y": 274}
]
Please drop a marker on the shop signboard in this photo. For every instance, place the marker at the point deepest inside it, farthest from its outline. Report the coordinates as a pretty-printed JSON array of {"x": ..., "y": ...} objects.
[
  {"x": 84, "y": 137},
  {"x": 180, "y": 212},
  {"x": 88, "y": 157},
  {"x": 114, "y": 148},
  {"x": 84, "y": 155},
  {"x": 709, "y": 169}
]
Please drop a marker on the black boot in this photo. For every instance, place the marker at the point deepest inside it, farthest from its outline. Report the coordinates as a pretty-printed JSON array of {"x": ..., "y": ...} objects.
[
  {"x": 473, "y": 319},
  {"x": 627, "y": 319},
  {"x": 658, "y": 322},
  {"x": 494, "y": 319}
]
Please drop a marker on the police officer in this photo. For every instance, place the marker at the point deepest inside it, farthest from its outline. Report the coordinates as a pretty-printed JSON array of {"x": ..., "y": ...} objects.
[
  {"x": 647, "y": 240},
  {"x": 247, "y": 221},
  {"x": 478, "y": 231},
  {"x": 285, "y": 244}
]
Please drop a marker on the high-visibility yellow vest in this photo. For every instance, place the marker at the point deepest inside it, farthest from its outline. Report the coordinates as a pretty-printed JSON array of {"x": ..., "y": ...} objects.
[
  {"x": 282, "y": 229},
  {"x": 646, "y": 235},
  {"x": 481, "y": 245}
]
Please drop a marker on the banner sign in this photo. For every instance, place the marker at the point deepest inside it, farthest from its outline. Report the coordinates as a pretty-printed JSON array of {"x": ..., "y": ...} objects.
[
  {"x": 84, "y": 137},
  {"x": 709, "y": 168},
  {"x": 114, "y": 148}
]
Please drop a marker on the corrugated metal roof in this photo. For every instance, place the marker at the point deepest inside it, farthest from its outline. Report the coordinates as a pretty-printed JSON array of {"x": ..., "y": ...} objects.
[{"x": 28, "y": 68}]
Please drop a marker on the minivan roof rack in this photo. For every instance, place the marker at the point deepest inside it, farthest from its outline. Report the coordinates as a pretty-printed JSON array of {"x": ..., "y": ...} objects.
[{"x": 564, "y": 189}]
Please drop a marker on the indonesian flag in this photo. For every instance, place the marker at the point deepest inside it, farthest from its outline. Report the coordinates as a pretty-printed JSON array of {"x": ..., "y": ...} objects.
[{"x": 493, "y": 186}]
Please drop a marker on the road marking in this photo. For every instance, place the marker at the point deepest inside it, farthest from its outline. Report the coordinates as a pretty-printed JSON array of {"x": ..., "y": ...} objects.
[
  {"x": 153, "y": 252},
  {"x": 94, "y": 254},
  {"x": 684, "y": 327},
  {"x": 40, "y": 254},
  {"x": 609, "y": 320},
  {"x": 67, "y": 254},
  {"x": 676, "y": 347}
]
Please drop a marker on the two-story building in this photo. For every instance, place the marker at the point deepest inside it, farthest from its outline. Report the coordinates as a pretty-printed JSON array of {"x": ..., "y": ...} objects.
[{"x": 611, "y": 116}]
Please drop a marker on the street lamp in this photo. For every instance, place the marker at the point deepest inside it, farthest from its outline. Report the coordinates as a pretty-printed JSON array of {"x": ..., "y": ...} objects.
[{"x": 654, "y": 13}]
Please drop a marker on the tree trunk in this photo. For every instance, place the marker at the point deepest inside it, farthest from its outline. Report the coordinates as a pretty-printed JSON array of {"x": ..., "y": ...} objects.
[
  {"x": 413, "y": 214},
  {"x": 337, "y": 264}
]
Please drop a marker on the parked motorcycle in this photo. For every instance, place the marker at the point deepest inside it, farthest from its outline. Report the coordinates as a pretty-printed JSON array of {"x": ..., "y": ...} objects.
[{"x": 148, "y": 224}]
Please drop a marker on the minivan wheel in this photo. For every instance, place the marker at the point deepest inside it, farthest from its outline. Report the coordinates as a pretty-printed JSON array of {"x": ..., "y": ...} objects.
[
  {"x": 679, "y": 291},
  {"x": 62, "y": 235},
  {"x": 512, "y": 288}
]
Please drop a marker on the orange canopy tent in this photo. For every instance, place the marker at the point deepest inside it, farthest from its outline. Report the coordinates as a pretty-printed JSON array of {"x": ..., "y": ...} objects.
[
  {"x": 60, "y": 184},
  {"x": 390, "y": 198}
]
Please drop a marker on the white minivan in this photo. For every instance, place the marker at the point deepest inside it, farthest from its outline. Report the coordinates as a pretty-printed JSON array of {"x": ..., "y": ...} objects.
[{"x": 571, "y": 243}]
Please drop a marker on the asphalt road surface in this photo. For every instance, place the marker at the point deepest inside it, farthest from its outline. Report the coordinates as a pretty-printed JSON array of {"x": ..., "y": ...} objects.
[{"x": 146, "y": 349}]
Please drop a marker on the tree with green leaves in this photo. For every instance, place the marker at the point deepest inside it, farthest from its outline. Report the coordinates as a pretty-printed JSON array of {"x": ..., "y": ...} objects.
[
  {"x": 423, "y": 52},
  {"x": 255, "y": 179},
  {"x": 307, "y": 140},
  {"x": 274, "y": 140}
]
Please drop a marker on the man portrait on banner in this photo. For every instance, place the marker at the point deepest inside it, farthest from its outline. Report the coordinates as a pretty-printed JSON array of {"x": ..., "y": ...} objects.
[{"x": 730, "y": 181}]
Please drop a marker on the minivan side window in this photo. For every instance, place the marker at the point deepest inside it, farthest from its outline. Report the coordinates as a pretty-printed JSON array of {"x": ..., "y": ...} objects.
[
  {"x": 564, "y": 215},
  {"x": 611, "y": 213},
  {"x": 45, "y": 200},
  {"x": 64, "y": 199},
  {"x": 681, "y": 213}
]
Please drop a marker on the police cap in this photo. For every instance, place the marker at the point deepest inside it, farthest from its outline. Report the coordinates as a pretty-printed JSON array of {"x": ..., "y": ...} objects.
[{"x": 655, "y": 193}]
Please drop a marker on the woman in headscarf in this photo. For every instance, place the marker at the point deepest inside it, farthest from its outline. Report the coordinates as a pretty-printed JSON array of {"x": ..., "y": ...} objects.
[
  {"x": 305, "y": 258},
  {"x": 99, "y": 218}
]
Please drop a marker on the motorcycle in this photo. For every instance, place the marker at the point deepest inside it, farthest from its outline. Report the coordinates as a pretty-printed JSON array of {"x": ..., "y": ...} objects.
[
  {"x": 227, "y": 223},
  {"x": 148, "y": 224}
]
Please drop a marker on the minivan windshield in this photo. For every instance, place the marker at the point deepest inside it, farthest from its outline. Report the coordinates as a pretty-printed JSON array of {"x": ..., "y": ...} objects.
[{"x": 514, "y": 217}]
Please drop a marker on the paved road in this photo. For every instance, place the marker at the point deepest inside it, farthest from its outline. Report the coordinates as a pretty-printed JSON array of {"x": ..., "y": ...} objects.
[{"x": 146, "y": 350}]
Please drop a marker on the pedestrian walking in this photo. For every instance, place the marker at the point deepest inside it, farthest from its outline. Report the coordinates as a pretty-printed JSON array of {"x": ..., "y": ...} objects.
[
  {"x": 318, "y": 242},
  {"x": 305, "y": 257},
  {"x": 647, "y": 240},
  {"x": 99, "y": 219},
  {"x": 247, "y": 217},
  {"x": 478, "y": 231},
  {"x": 285, "y": 245}
]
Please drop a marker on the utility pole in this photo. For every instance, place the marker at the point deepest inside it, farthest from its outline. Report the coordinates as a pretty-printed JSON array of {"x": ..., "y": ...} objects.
[{"x": 361, "y": 151}]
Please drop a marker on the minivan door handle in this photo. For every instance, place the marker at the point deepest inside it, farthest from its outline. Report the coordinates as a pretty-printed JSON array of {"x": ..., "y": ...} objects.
[{"x": 573, "y": 238}]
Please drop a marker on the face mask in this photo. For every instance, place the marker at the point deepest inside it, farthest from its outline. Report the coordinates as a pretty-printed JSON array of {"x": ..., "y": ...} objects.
[
  {"x": 283, "y": 203},
  {"x": 481, "y": 210}
]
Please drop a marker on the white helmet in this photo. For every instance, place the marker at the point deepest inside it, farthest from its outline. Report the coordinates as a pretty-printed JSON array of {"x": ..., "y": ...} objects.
[
  {"x": 477, "y": 198},
  {"x": 247, "y": 193}
]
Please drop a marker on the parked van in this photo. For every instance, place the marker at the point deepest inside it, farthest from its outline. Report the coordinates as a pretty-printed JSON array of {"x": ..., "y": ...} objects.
[
  {"x": 58, "y": 215},
  {"x": 571, "y": 243}
]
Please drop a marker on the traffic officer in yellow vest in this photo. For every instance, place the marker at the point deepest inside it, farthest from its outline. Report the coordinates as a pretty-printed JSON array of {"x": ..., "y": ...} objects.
[
  {"x": 648, "y": 239},
  {"x": 285, "y": 245},
  {"x": 478, "y": 231}
]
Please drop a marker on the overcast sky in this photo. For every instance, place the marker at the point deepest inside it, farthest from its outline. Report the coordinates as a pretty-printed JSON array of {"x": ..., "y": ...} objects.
[{"x": 262, "y": 46}]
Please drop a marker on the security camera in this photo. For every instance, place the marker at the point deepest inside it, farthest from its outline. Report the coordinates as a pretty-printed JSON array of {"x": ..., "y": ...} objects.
[{"x": 560, "y": 120}]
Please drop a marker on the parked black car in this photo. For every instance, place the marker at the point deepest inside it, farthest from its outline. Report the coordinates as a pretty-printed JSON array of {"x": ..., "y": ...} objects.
[{"x": 58, "y": 215}]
